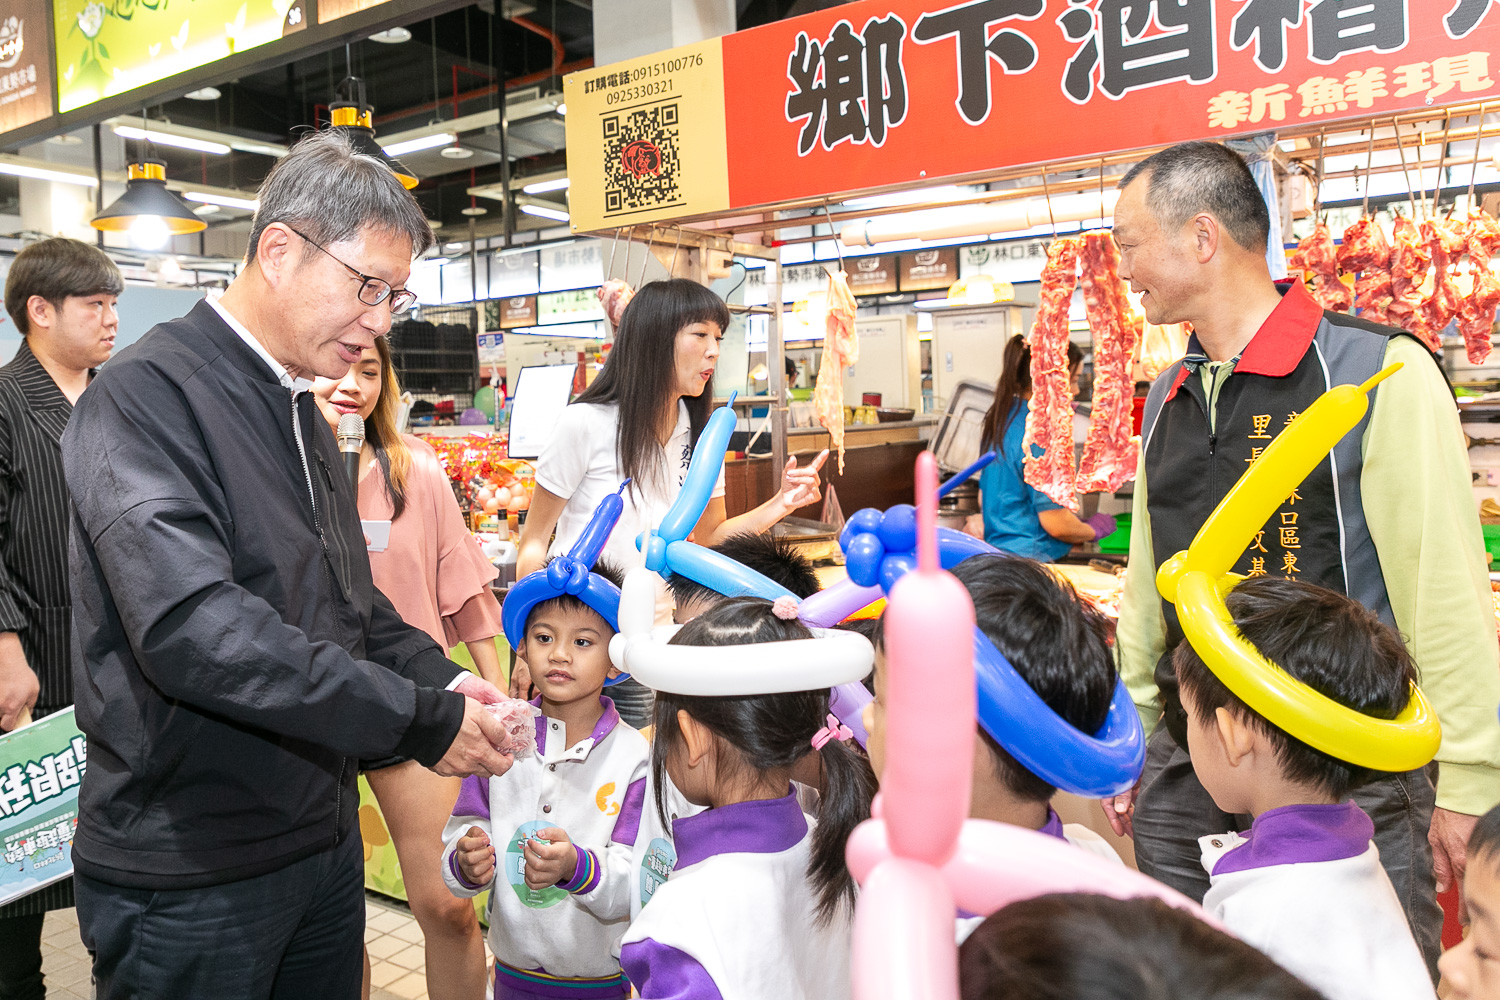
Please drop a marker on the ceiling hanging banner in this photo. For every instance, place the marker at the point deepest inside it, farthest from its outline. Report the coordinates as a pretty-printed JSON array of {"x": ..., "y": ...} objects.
[
  {"x": 887, "y": 92},
  {"x": 107, "y": 47}
]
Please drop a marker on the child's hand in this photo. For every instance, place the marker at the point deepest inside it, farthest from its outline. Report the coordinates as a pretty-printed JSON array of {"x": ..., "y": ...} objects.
[
  {"x": 550, "y": 863},
  {"x": 476, "y": 856}
]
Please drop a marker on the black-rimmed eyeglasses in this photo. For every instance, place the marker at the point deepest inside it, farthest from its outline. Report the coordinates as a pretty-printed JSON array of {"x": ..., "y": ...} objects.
[{"x": 372, "y": 290}]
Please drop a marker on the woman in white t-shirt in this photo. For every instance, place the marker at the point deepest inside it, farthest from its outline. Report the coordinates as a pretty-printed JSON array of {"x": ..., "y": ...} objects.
[{"x": 640, "y": 420}]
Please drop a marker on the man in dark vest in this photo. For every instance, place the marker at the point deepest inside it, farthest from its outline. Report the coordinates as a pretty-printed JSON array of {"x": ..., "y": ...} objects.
[
  {"x": 1389, "y": 518},
  {"x": 61, "y": 295}
]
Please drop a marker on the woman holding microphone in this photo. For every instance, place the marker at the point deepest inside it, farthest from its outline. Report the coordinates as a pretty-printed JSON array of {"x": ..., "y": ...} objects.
[
  {"x": 431, "y": 569},
  {"x": 639, "y": 420}
]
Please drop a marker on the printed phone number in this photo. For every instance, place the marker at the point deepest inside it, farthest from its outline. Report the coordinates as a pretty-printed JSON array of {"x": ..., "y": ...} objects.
[{"x": 636, "y": 93}]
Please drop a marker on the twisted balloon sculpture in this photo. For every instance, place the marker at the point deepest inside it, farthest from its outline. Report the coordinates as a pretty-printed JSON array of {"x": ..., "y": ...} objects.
[
  {"x": 1197, "y": 580},
  {"x": 879, "y": 547},
  {"x": 921, "y": 857},
  {"x": 571, "y": 575}
]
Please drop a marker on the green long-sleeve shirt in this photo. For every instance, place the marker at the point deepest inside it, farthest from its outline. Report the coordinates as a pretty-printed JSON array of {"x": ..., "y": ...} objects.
[{"x": 1420, "y": 510}]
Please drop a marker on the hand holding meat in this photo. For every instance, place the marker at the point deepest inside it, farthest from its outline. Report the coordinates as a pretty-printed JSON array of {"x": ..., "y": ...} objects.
[{"x": 473, "y": 749}]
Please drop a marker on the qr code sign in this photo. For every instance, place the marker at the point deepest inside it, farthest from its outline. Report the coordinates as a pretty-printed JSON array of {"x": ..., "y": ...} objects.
[{"x": 641, "y": 165}]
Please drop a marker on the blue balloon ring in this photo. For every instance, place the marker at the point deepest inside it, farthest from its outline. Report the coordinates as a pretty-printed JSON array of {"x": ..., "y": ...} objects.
[
  {"x": 571, "y": 576},
  {"x": 878, "y": 551}
]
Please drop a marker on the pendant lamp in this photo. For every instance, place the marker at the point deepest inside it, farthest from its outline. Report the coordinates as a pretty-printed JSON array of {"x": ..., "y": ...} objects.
[
  {"x": 352, "y": 115},
  {"x": 147, "y": 211}
]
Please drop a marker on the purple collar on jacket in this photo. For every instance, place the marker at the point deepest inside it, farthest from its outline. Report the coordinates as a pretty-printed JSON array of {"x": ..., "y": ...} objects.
[
  {"x": 764, "y": 826},
  {"x": 1299, "y": 835},
  {"x": 602, "y": 728}
]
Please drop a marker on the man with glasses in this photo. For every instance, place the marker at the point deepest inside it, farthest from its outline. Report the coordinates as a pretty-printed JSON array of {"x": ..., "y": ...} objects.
[{"x": 233, "y": 658}]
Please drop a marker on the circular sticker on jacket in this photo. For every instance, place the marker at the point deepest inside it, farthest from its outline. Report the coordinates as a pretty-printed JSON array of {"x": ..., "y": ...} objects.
[
  {"x": 660, "y": 858},
  {"x": 515, "y": 869}
]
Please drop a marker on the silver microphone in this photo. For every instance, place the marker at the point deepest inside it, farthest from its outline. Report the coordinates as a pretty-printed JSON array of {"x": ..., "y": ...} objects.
[{"x": 351, "y": 437}]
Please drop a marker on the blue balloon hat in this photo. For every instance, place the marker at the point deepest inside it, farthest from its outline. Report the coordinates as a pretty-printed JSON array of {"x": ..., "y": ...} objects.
[
  {"x": 571, "y": 575},
  {"x": 880, "y": 548}
]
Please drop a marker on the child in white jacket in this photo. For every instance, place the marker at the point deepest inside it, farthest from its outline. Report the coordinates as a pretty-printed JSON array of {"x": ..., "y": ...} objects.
[
  {"x": 1304, "y": 884},
  {"x": 559, "y": 870}
]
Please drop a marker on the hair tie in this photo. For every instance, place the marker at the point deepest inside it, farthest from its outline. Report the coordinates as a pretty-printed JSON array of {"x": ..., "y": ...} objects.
[
  {"x": 785, "y": 608},
  {"x": 835, "y": 730}
]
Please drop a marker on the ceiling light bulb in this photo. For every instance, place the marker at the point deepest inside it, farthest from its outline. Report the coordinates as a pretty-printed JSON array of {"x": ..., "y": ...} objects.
[
  {"x": 247, "y": 204},
  {"x": 456, "y": 153},
  {"x": 203, "y": 94},
  {"x": 541, "y": 212},
  {"x": 419, "y": 143},
  {"x": 149, "y": 232},
  {"x": 392, "y": 36},
  {"x": 474, "y": 210},
  {"x": 542, "y": 187},
  {"x": 168, "y": 139},
  {"x": 205, "y": 210},
  {"x": 562, "y": 109}
]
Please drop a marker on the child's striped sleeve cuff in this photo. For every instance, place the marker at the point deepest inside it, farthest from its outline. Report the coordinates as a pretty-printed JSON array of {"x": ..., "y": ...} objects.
[{"x": 586, "y": 875}]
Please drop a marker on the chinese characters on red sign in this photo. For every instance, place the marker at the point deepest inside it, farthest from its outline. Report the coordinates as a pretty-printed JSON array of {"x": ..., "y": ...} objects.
[{"x": 884, "y": 92}]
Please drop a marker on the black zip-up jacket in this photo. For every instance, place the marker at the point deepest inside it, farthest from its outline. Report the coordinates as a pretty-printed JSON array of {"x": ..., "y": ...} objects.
[{"x": 232, "y": 657}]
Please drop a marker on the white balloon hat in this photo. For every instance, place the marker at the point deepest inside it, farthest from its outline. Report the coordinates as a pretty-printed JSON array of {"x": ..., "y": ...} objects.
[{"x": 833, "y": 657}]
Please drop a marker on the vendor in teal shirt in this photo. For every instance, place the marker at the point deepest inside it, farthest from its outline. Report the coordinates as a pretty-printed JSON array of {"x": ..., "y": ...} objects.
[{"x": 1018, "y": 518}]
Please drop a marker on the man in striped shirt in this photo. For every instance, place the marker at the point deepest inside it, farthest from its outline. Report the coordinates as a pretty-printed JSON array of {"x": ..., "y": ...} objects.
[{"x": 61, "y": 295}]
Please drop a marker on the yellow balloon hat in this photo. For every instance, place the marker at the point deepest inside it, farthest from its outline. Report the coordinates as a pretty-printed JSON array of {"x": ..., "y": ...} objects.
[{"x": 1197, "y": 580}]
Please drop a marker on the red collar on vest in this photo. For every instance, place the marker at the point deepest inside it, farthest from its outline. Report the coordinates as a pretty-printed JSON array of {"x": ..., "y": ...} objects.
[{"x": 1281, "y": 342}]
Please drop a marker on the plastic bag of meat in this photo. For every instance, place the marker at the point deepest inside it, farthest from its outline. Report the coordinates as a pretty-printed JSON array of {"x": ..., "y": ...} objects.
[
  {"x": 840, "y": 350},
  {"x": 519, "y": 719},
  {"x": 615, "y": 294}
]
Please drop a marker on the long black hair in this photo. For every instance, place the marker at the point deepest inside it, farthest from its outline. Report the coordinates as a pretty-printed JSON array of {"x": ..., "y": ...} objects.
[
  {"x": 772, "y": 732},
  {"x": 640, "y": 374},
  {"x": 1015, "y": 378}
]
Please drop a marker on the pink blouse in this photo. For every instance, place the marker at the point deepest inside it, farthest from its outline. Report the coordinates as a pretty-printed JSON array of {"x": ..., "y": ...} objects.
[{"x": 432, "y": 570}]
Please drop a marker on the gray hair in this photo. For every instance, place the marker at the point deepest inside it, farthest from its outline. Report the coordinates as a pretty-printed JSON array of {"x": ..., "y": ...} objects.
[
  {"x": 329, "y": 191},
  {"x": 1194, "y": 177}
]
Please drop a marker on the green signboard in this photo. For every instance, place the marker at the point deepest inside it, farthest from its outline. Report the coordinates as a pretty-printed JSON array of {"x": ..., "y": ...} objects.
[
  {"x": 40, "y": 768},
  {"x": 107, "y": 47}
]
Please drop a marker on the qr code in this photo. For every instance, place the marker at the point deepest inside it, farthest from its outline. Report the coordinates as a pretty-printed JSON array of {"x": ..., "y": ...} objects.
[{"x": 641, "y": 166}]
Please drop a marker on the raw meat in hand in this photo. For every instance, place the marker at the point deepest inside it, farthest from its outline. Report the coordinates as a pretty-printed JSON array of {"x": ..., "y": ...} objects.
[{"x": 519, "y": 719}]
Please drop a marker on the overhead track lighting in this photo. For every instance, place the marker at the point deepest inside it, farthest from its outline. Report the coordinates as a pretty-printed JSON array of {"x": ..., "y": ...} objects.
[
  {"x": 541, "y": 212},
  {"x": 219, "y": 199},
  {"x": 542, "y": 187},
  {"x": 15, "y": 169}
]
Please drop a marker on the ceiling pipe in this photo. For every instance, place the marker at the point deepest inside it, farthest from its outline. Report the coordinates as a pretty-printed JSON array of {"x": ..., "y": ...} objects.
[{"x": 558, "y": 53}]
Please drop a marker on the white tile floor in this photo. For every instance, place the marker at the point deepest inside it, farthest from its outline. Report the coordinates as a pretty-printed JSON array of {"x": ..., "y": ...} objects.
[{"x": 397, "y": 960}]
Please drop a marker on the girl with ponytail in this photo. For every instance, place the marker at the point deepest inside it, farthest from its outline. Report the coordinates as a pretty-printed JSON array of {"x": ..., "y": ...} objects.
[{"x": 758, "y": 902}]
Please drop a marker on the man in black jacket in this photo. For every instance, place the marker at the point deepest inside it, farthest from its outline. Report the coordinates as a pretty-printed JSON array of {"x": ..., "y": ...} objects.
[{"x": 233, "y": 658}]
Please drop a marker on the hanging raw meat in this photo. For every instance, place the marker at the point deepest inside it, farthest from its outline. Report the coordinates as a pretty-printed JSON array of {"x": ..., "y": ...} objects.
[
  {"x": 840, "y": 350},
  {"x": 1446, "y": 240},
  {"x": 615, "y": 294},
  {"x": 1316, "y": 255},
  {"x": 1409, "y": 262},
  {"x": 1367, "y": 252},
  {"x": 1109, "y": 451},
  {"x": 1049, "y": 425},
  {"x": 1476, "y": 313}
]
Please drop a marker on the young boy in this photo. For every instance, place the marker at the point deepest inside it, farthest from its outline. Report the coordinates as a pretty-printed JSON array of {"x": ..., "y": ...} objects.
[
  {"x": 1059, "y": 647},
  {"x": 1472, "y": 969},
  {"x": 1304, "y": 884},
  {"x": 772, "y": 558},
  {"x": 567, "y": 820}
]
